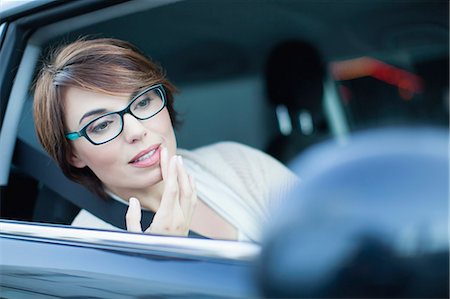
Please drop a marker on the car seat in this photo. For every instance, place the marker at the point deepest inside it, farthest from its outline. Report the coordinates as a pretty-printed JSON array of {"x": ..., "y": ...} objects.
[{"x": 294, "y": 78}]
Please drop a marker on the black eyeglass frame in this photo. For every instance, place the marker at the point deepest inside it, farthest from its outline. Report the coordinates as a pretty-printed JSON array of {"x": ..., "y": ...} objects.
[{"x": 82, "y": 131}]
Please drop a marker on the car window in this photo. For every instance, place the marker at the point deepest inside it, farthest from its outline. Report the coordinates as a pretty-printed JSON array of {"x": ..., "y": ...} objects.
[
  {"x": 217, "y": 56},
  {"x": 379, "y": 92},
  {"x": 289, "y": 78}
]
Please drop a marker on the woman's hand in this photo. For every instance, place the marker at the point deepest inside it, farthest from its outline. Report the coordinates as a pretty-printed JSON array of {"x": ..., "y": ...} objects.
[{"x": 177, "y": 204}]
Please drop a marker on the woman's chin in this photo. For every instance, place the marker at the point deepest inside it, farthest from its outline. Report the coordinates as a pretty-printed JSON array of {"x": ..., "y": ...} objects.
[{"x": 138, "y": 186}]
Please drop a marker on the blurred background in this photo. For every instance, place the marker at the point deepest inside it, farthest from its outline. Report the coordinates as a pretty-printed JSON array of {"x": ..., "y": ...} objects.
[{"x": 282, "y": 75}]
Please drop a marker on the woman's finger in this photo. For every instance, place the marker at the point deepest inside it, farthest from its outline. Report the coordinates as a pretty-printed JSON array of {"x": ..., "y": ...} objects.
[
  {"x": 164, "y": 162},
  {"x": 186, "y": 191},
  {"x": 133, "y": 216},
  {"x": 170, "y": 196},
  {"x": 169, "y": 219}
]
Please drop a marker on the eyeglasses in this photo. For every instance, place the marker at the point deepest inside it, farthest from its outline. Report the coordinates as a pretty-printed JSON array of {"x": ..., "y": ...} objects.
[{"x": 108, "y": 126}]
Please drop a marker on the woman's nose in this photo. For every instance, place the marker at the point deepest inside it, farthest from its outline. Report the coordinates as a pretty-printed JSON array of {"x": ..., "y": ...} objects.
[{"x": 133, "y": 128}]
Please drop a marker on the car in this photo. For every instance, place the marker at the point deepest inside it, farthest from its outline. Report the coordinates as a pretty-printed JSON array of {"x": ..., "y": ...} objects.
[{"x": 320, "y": 81}]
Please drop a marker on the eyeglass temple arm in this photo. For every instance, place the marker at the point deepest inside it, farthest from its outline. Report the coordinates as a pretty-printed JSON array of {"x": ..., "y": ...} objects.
[{"x": 73, "y": 135}]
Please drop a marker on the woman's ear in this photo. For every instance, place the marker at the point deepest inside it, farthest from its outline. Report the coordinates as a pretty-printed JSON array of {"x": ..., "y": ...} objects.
[{"x": 76, "y": 161}]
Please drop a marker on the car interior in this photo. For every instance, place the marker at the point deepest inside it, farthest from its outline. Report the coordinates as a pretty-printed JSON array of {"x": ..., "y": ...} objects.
[{"x": 280, "y": 76}]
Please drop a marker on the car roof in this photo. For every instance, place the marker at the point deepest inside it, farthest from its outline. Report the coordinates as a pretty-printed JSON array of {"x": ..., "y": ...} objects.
[
  {"x": 11, "y": 9},
  {"x": 240, "y": 34}
]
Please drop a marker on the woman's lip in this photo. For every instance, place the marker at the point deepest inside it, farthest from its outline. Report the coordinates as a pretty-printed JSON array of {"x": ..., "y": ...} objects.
[
  {"x": 144, "y": 152},
  {"x": 154, "y": 159}
]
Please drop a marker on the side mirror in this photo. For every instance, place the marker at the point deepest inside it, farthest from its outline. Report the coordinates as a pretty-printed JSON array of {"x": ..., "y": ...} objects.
[{"x": 370, "y": 219}]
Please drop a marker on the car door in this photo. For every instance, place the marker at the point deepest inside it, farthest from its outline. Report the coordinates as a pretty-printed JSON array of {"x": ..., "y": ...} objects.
[{"x": 57, "y": 261}]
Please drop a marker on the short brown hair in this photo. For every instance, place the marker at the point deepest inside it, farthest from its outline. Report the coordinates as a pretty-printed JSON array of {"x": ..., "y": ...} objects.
[{"x": 102, "y": 65}]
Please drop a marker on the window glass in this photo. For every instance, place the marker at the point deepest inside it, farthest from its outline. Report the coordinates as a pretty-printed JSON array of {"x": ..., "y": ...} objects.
[{"x": 380, "y": 92}]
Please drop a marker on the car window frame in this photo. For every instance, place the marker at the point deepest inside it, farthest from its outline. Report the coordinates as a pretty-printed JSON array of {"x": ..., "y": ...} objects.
[
  {"x": 9, "y": 136},
  {"x": 119, "y": 240}
]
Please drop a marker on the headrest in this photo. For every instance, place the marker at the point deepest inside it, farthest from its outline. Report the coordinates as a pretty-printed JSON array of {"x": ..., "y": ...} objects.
[{"x": 294, "y": 75}]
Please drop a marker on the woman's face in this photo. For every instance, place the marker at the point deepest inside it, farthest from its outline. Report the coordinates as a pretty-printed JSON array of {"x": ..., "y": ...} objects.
[{"x": 130, "y": 163}]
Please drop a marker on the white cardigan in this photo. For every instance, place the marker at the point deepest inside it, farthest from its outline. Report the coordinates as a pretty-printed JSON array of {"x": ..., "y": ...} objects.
[{"x": 240, "y": 183}]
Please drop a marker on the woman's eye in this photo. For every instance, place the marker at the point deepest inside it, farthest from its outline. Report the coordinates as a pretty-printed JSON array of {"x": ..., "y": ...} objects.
[
  {"x": 100, "y": 127},
  {"x": 143, "y": 103}
]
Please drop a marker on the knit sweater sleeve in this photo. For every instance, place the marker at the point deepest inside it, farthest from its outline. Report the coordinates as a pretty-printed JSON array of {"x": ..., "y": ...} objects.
[
  {"x": 267, "y": 179},
  {"x": 258, "y": 177}
]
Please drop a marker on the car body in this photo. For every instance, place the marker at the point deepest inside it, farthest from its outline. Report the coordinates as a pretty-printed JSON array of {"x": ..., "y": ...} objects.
[
  {"x": 386, "y": 63},
  {"x": 52, "y": 261}
]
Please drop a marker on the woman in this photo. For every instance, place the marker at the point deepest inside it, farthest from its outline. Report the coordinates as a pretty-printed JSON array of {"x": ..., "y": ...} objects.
[{"x": 105, "y": 113}]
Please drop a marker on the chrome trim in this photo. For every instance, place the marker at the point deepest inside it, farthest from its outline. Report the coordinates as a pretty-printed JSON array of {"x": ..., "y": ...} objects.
[
  {"x": 130, "y": 242},
  {"x": 2, "y": 31}
]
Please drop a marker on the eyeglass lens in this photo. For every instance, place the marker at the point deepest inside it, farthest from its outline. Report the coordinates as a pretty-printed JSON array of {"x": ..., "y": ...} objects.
[{"x": 109, "y": 126}]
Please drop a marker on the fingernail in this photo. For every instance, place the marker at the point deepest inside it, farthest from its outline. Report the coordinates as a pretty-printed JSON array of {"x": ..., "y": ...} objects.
[
  {"x": 180, "y": 159},
  {"x": 133, "y": 201}
]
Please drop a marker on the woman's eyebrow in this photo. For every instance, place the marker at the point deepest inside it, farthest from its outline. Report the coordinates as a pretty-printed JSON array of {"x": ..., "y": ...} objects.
[
  {"x": 134, "y": 94},
  {"x": 93, "y": 112}
]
